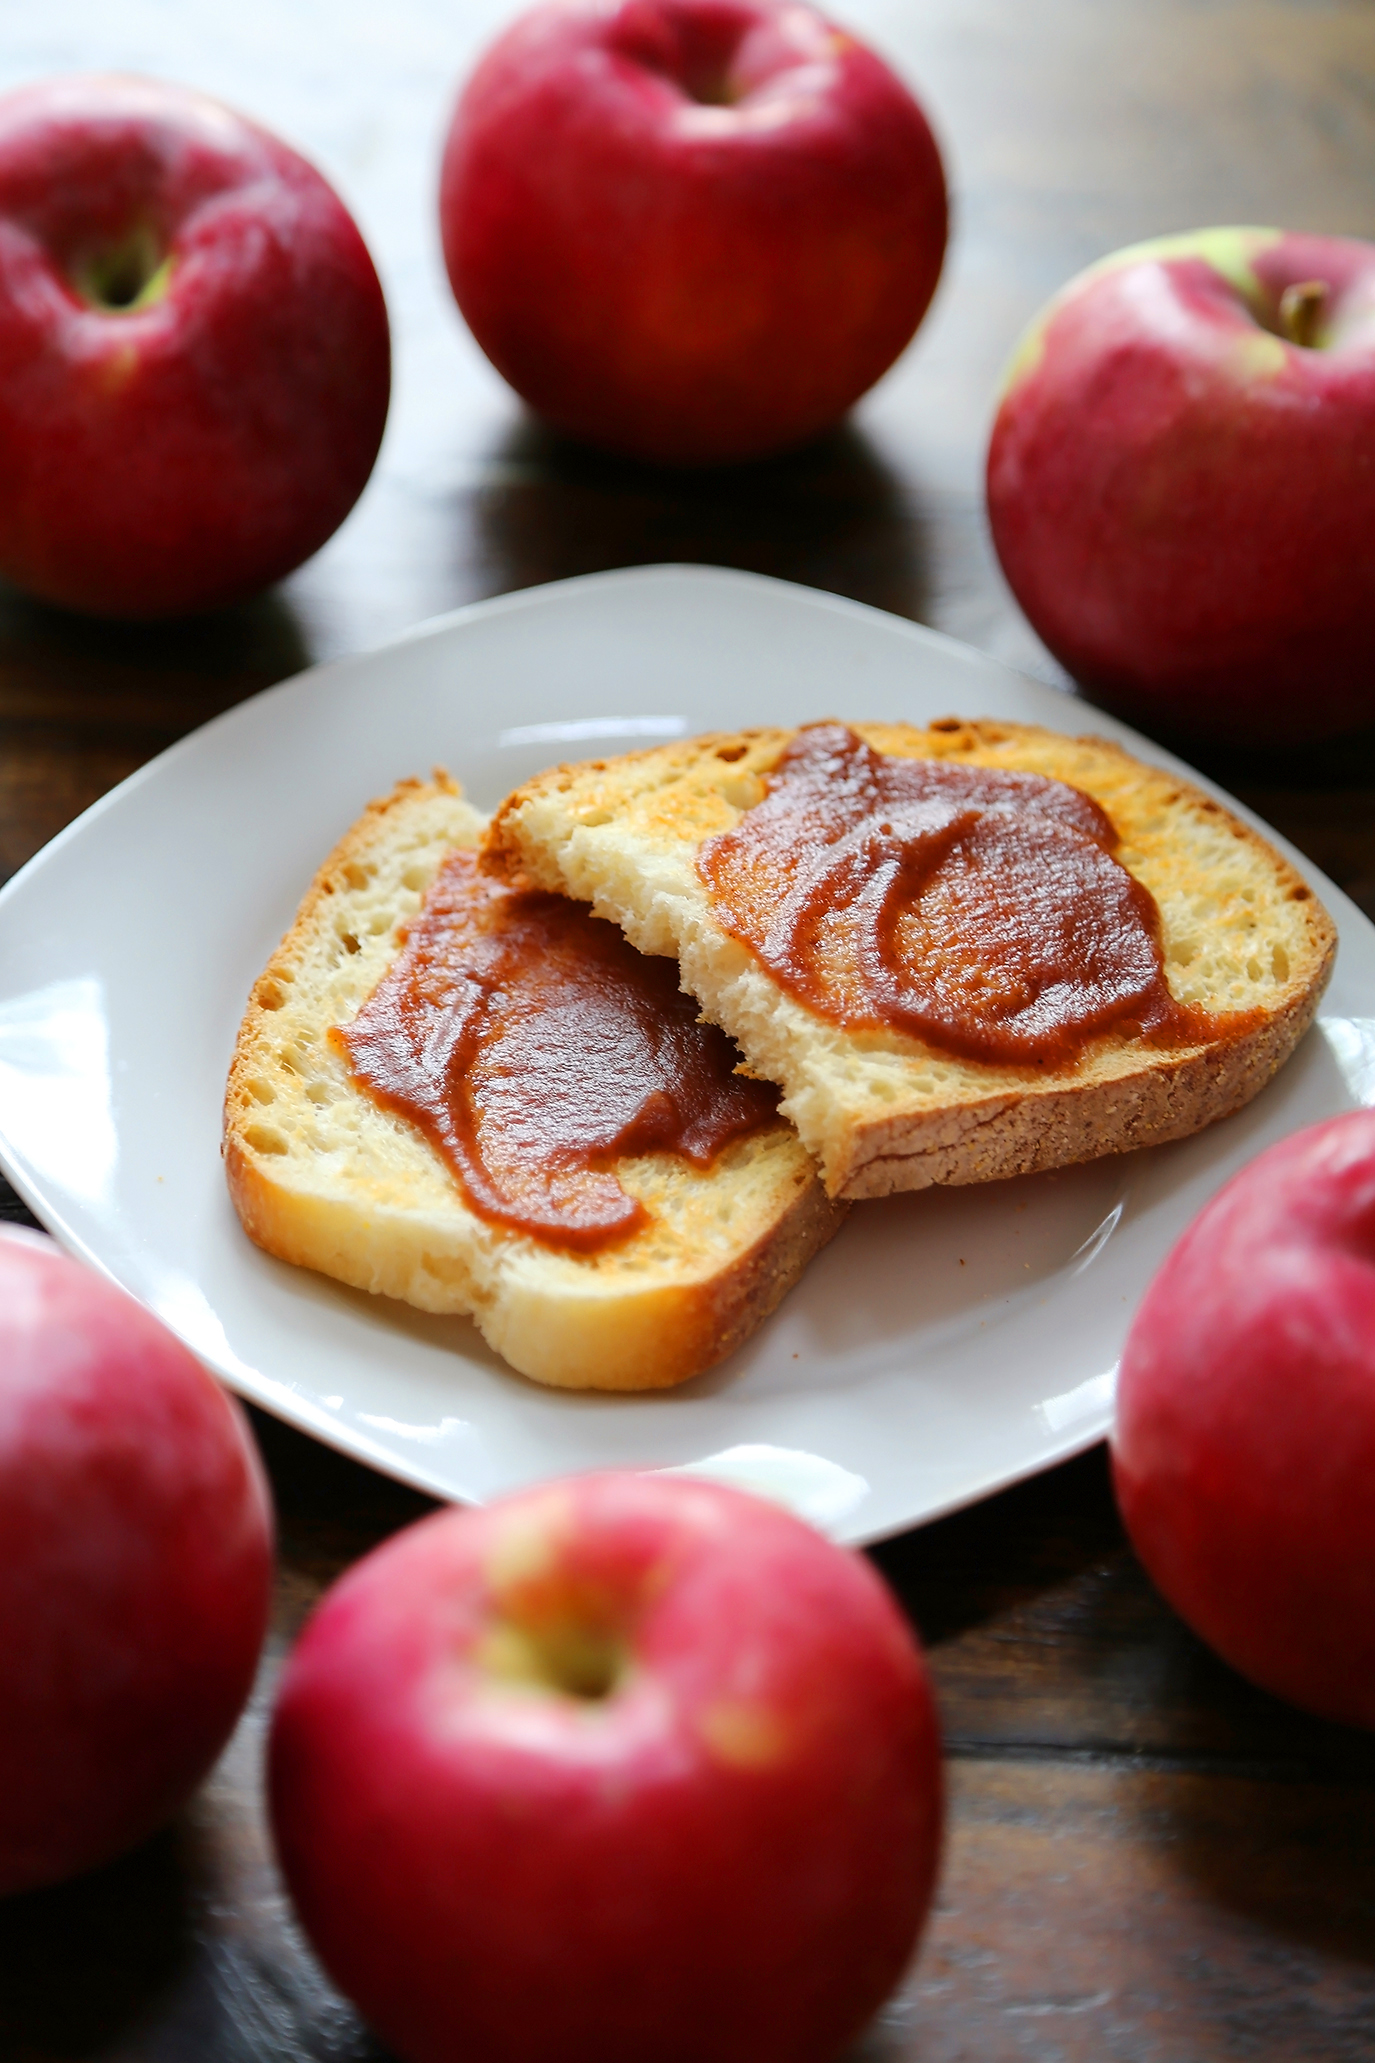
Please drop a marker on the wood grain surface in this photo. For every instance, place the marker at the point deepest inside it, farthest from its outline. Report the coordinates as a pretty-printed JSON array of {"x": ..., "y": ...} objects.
[{"x": 1147, "y": 1860}]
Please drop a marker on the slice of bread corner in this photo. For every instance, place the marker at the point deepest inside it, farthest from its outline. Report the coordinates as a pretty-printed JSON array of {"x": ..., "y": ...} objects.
[
  {"x": 1242, "y": 933},
  {"x": 322, "y": 1176}
]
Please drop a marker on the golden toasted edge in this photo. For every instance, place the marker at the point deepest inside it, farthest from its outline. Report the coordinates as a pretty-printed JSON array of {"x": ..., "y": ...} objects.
[
  {"x": 248, "y": 1189},
  {"x": 628, "y": 1340}
]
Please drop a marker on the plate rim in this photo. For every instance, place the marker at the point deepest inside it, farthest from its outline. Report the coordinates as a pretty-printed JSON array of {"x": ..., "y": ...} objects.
[{"x": 514, "y": 600}]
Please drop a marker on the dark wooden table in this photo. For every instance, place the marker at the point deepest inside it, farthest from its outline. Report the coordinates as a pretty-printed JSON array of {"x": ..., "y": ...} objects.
[{"x": 1147, "y": 1861}]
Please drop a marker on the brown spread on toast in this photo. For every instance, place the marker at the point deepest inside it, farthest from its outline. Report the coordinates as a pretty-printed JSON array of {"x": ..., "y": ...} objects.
[
  {"x": 532, "y": 1045},
  {"x": 980, "y": 909}
]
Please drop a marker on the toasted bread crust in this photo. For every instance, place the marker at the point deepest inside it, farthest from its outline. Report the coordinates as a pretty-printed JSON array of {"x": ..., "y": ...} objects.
[
  {"x": 322, "y": 1177},
  {"x": 1055, "y": 1127},
  {"x": 1243, "y": 936}
]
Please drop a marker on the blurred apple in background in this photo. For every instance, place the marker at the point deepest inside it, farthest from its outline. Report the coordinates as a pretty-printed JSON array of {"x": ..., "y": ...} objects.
[
  {"x": 135, "y": 1567},
  {"x": 692, "y": 231},
  {"x": 625, "y": 1769},
  {"x": 1244, "y": 1451},
  {"x": 1181, "y": 484},
  {"x": 194, "y": 356}
]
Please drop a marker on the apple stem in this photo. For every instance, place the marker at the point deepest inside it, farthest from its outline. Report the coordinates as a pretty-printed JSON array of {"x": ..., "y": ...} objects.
[{"x": 1302, "y": 307}]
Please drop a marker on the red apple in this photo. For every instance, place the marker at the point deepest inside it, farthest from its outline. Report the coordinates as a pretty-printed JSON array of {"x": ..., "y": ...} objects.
[
  {"x": 135, "y": 1563},
  {"x": 1244, "y": 1451},
  {"x": 623, "y": 1768},
  {"x": 1181, "y": 488},
  {"x": 194, "y": 359},
  {"x": 690, "y": 230}
]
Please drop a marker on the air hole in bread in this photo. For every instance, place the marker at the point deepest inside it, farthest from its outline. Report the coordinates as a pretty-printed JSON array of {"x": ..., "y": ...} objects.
[
  {"x": 417, "y": 878},
  {"x": 320, "y": 1092},
  {"x": 594, "y": 817},
  {"x": 743, "y": 792},
  {"x": 269, "y": 994},
  {"x": 349, "y": 942},
  {"x": 1279, "y": 962},
  {"x": 265, "y": 1139},
  {"x": 357, "y": 876},
  {"x": 261, "y": 1091},
  {"x": 731, "y": 752}
]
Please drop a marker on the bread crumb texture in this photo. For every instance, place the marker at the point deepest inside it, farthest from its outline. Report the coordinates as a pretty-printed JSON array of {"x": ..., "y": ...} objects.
[
  {"x": 1242, "y": 935},
  {"x": 321, "y": 1175}
]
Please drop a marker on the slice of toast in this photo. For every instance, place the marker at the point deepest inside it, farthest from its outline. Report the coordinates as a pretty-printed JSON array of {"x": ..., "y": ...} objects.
[
  {"x": 322, "y": 1175},
  {"x": 1242, "y": 936}
]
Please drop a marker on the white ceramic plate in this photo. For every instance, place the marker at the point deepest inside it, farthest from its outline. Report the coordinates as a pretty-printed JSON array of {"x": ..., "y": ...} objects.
[{"x": 944, "y": 1345}]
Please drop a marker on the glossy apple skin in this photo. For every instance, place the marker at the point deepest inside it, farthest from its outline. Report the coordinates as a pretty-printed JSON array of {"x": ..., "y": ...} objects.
[
  {"x": 684, "y": 279},
  {"x": 726, "y": 1859},
  {"x": 135, "y": 1567},
  {"x": 1244, "y": 1450},
  {"x": 177, "y": 455},
  {"x": 1183, "y": 501}
]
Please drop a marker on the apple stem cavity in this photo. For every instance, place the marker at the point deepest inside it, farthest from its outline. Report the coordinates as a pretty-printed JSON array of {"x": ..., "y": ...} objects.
[
  {"x": 1302, "y": 309},
  {"x": 569, "y": 1657},
  {"x": 693, "y": 48},
  {"x": 126, "y": 278}
]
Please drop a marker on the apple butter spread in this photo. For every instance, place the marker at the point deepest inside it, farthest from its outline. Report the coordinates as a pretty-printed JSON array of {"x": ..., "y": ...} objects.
[
  {"x": 980, "y": 910},
  {"x": 533, "y": 1046}
]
